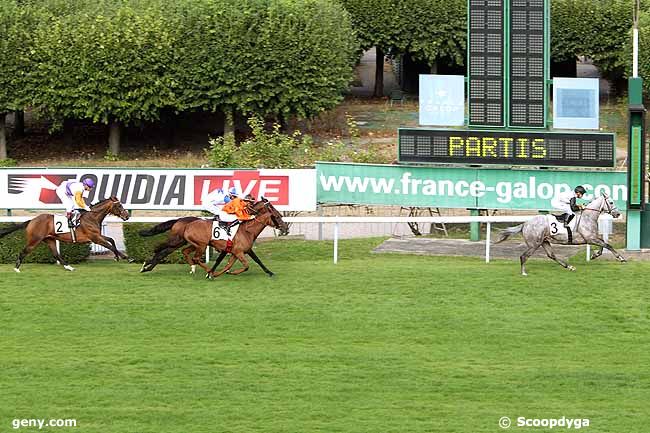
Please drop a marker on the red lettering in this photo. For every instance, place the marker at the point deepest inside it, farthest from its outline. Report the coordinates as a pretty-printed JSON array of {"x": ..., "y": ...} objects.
[{"x": 274, "y": 188}]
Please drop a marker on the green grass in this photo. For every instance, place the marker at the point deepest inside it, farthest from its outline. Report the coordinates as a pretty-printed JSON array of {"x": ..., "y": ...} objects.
[{"x": 377, "y": 343}]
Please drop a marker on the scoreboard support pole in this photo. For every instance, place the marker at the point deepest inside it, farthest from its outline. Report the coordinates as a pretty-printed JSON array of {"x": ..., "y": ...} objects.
[{"x": 638, "y": 227}]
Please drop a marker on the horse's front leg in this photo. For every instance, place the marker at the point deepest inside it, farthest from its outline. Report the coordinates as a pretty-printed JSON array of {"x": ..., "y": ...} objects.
[
  {"x": 242, "y": 258},
  {"x": 226, "y": 268},
  {"x": 602, "y": 244},
  {"x": 551, "y": 255},
  {"x": 109, "y": 244},
  {"x": 597, "y": 253},
  {"x": 217, "y": 261}
]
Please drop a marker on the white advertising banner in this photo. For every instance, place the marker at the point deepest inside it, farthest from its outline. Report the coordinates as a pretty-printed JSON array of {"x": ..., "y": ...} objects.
[{"x": 163, "y": 189}]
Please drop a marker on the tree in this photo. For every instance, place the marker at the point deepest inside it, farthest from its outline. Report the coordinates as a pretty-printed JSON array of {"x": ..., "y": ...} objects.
[
  {"x": 106, "y": 62},
  {"x": 264, "y": 57}
]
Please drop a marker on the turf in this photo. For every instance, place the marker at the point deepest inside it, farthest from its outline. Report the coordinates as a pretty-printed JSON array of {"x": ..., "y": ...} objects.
[{"x": 376, "y": 343}]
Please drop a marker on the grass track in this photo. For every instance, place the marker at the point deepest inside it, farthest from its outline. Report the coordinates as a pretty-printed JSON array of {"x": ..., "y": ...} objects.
[{"x": 377, "y": 343}]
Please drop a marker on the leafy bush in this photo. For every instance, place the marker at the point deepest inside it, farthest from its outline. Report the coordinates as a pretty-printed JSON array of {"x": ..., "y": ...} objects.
[
  {"x": 264, "y": 149},
  {"x": 8, "y": 162},
  {"x": 11, "y": 245},
  {"x": 142, "y": 248},
  {"x": 275, "y": 149}
]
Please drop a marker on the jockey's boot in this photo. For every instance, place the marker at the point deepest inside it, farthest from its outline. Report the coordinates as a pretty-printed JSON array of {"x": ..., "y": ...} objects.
[
  {"x": 231, "y": 225},
  {"x": 567, "y": 219},
  {"x": 216, "y": 218},
  {"x": 70, "y": 222}
]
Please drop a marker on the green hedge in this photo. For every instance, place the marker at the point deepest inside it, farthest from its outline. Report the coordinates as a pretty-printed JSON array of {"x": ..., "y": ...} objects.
[
  {"x": 141, "y": 248},
  {"x": 11, "y": 245}
]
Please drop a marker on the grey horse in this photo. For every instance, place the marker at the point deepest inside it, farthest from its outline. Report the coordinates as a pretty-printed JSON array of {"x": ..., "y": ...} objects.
[{"x": 544, "y": 230}]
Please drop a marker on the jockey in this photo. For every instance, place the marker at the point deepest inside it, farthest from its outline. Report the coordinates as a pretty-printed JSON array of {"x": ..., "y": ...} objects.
[
  {"x": 239, "y": 208},
  {"x": 566, "y": 202},
  {"x": 72, "y": 193},
  {"x": 216, "y": 200}
]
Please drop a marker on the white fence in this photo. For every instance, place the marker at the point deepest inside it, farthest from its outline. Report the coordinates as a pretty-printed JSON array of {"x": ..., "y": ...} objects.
[{"x": 336, "y": 221}]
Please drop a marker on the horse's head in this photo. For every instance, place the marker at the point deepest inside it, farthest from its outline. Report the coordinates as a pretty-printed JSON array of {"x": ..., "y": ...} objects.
[
  {"x": 604, "y": 204},
  {"x": 112, "y": 206},
  {"x": 610, "y": 207},
  {"x": 269, "y": 215}
]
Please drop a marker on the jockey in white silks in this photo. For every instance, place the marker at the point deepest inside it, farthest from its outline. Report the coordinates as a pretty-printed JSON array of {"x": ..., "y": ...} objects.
[{"x": 566, "y": 202}]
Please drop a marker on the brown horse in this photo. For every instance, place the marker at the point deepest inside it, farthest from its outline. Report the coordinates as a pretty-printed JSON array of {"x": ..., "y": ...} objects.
[
  {"x": 41, "y": 229},
  {"x": 197, "y": 233}
]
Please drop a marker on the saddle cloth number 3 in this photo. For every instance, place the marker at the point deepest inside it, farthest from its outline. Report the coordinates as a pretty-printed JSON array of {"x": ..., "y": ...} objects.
[
  {"x": 556, "y": 227},
  {"x": 61, "y": 224}
]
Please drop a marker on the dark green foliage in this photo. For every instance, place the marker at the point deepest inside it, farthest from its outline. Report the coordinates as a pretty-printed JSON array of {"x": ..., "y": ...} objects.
[
  {"x": 598, "y": 29},
  {"x": 11, "y": 245},
  {"x": 265, "y": 57},
  {"x": 106, "y": 61},
  {"x": 644, "y": 51},
  {"x": 428, "y": 29},
  {"x": 128, "y": 60},
  {"x": 141, "y": 248}
]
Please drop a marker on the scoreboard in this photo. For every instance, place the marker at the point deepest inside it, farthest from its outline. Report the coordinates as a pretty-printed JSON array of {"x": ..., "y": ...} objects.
[
  {"x": 457, "y": 146},
  {"x": 486, "y": 62},
  {"x": 508, "y": 67},
  {"x": 527, "y": 70}
]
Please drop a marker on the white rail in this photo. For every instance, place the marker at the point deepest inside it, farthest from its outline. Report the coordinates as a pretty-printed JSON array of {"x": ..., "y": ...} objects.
[{"x": 336, "y": 220}]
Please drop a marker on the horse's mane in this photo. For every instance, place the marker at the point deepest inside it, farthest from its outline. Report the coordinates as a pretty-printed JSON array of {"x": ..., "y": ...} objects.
[{"x": 99, "y": 203}]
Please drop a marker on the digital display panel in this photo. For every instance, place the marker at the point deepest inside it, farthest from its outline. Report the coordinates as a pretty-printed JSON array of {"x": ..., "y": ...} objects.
[
  {"x": 486, "y": 62},
  {"x": 506, "y": 147},
  {"x": 527, "y": 68}
]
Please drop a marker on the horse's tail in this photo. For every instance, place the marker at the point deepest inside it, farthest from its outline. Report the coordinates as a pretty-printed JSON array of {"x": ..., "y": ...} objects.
[
  {"x": 160, "y": 228},
  {"x": 12, "y": 228},
  {"x": 506, "y": 233}
]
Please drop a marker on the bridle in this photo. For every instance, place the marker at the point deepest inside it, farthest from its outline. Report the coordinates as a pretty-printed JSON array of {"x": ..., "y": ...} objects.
[
  {"x": 275, "y": 222},
  {"x": 602, "y": 206}
]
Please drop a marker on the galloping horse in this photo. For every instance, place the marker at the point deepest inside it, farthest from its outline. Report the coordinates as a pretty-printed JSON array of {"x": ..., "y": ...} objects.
[
  {"x": 541, "y": 231},
  {"x": 197, "y": 233},
  {"x": 41, "y": 229}
]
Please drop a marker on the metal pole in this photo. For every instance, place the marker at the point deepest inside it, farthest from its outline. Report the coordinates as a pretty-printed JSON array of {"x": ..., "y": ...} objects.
[
  {"x": 487, "y": 242},
  {"x": 336, "y": 243},
  {"x": 635, "y": 53}
]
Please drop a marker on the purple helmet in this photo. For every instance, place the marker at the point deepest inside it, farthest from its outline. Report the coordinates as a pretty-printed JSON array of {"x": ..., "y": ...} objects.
[
  {"x": 89, "y": 182},
  {"x": 232, "y": 191}
]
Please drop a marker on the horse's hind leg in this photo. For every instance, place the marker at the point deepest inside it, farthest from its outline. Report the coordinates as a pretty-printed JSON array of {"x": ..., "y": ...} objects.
[
  {"x": 524, "y": 257},
  {"x": 51, "y": 244},
  {"x": 188, "y": 258},
  {"x": 25, "y": 252},
  {"x": 162, "y": 251},
  {"x": 551, "y": 255}
]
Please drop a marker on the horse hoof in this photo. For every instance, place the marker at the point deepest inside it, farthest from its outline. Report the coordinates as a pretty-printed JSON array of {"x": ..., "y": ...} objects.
[
  {"x": 271, "y": 275},
  {"x": 208, "y": 276},
  {"x": 571, "y": 268},
  {"x": 130, "y": 260},
  {"x": 523, "y": 274},
  {"x": 68, "y": 268},
  {"x": 58, "y": 262},
  {"x": 17, "y": 270}
]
